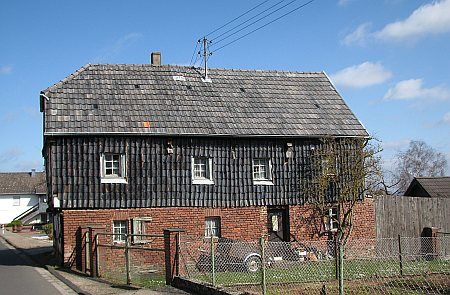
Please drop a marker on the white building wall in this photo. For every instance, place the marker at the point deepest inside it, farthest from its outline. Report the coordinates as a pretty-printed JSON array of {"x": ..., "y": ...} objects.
[{"x": 8, "y": 211}]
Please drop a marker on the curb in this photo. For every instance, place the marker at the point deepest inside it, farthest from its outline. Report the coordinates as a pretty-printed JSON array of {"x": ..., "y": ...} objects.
[
  {"x": 68, "y": 283},
  {"x": 49, "y": 268}
]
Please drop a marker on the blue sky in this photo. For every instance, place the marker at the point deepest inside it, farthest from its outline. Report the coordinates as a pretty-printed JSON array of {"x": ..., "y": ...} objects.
[{"x": 389, "y": 58}]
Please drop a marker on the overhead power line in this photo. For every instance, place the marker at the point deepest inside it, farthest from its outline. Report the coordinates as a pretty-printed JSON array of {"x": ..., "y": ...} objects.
[
  {"x": 260, "y": 27},
  {"x": 193, "y": 53},
  {"x": 236, "y": 18},
  {"x": 253, "y": 17}
]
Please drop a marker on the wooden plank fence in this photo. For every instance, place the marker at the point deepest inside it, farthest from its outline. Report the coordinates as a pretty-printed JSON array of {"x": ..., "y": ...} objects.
[{"x": 407, "y": 216}]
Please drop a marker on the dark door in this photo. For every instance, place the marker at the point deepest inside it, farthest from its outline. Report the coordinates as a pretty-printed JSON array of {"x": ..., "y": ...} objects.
[{"x": 278, "y": 224}]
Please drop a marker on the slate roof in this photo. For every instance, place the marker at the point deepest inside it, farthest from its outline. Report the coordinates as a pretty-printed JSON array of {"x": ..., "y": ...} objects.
[
  {"x": 173, "y": 100},
  {"x": 434, "y": 187},
  {"x": 22, "y": 183}
]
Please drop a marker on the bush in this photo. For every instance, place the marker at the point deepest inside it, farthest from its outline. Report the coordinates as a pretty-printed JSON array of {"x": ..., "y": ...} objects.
[
  {"x": 48, "y": 229},
  {"x": 14, "y": 223}
]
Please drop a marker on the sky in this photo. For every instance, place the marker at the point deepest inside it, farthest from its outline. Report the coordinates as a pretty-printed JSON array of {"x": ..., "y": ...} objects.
[{"x": 389, "y": 59}]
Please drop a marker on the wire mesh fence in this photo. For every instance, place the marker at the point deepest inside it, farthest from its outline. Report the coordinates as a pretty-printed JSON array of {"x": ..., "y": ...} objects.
[
  {"x": 131, "y": 258},
  {"x": 380, "y": 266}
]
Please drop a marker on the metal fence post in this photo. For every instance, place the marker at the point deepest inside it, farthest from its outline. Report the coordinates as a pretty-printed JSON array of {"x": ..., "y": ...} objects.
[
  {"x": 400, "y": 258},
  {"x": 336, "y": 257},
  {"x": 97, "y": 258},
  {"x": 341, "y": 267},
  {"x": 127, "y": 259},
  {"x": 263, "y": 266},
  {"x": 213, "y": 261},
  {"x": 177, "y": 254}
]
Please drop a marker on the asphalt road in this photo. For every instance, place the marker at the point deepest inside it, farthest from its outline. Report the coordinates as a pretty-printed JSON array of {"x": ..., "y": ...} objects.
[{"x": 18, "y": 276}]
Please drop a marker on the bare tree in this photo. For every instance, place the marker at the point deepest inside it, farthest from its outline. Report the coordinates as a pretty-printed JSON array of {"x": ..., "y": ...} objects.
[
  {"x": 418, "y": 160},
  {"x": 342, "y": 171}
]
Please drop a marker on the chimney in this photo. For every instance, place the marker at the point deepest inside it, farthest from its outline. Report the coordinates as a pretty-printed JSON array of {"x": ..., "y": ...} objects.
[
  {"x": 33, "y": 172},
  {"x": 156, "y": 58}
]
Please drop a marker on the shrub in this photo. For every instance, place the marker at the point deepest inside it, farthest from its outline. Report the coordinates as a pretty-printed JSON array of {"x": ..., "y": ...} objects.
[
  {"x": 48, "y": 229},
  {"x": 14, "y": 223}
]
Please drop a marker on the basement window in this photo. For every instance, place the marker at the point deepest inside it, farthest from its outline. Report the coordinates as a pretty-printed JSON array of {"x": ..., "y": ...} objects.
[
  {"x": 212, "y": 227},
  {"x": 202, "y": 171},
  {"x": 262, "y": 172},
  {"x": 120, "y": 229},
  {"x": 113, "y": 168}
]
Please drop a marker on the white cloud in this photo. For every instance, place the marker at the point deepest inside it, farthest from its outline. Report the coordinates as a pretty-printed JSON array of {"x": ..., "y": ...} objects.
[
  {"x": 117, "y": 47},
  {"x": 433, "y": 18},
  {"x": 446, "y": 118},
  {"x": 4, "y": 70},
  {"x": 396, "y": 144},
  {"x": 362, "y": 75},
  {"x": 358, "y": 36},
  {"x": 10, "y": 155},
  {"x": 412, "y": 88},
  {"x": 343, "y": 2},
  {"x": 27, "y": 165}
]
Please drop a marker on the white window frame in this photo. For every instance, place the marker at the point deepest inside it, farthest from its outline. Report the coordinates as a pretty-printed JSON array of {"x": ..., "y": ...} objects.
[
  {"x": 332, "y": 221},
  {"x": 16, "y": 200},
  {"x": 113, "y": 178},
  {"x": 212, "y": 227},
  {"x": 208, "y": 179},
  {"x": 139, "y": 228},
  {"x": 120, "y": 228},
  {"x": 267, "y": 180}
]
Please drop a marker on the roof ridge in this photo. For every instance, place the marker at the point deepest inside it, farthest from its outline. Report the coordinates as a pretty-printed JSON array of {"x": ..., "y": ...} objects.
[
  {"x": 190, "y": 67},
  {"x": 66, "y": 79}
]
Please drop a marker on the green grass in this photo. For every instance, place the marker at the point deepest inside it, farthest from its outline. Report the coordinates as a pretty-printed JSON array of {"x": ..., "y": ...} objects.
[{"x": 322, "y": 271}]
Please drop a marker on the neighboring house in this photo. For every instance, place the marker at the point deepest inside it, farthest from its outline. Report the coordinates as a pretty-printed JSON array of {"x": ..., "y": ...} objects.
[
  {"x": 140, "y": 148},
  {"x": 430, "y": 187},
  {"x": 23, "y": 197},
  {"x": 426, "y": 204}
]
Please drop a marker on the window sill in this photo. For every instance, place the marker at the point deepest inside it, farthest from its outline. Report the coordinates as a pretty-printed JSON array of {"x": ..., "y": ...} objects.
[
  {"x": 202, "y": 181},
  {"x": 262, "y": 182},
  {"x": 113, "y": 180}
]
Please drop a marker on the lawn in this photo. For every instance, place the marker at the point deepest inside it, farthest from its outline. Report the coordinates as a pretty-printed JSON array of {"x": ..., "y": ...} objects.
[{"x": 322, "y": 271}]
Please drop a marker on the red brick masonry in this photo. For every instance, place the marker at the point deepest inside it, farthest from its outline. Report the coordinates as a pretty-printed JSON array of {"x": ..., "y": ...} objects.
[{"x": 243, "y": 223}]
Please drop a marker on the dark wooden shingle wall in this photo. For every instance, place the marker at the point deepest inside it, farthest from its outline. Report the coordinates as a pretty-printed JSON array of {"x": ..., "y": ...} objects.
[{"x": 157, "y": 179}]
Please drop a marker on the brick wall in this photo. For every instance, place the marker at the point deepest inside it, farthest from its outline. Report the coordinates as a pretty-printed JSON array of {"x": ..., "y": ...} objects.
[
  {"x": 247, "y": 223},
  {"x": 244, "y": 223},
  {"x": 306, "y": 222}
]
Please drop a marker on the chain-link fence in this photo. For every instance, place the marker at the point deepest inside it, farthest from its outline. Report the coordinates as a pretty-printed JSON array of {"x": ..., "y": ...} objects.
[
  {"x": 381, "y": 266},
  {"x": 130, "y": 259}
]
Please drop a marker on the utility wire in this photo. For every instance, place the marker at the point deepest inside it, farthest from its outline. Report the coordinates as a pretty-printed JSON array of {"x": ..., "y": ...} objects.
[
  {"x": 195, "y": 50},
  {"x": 246, "y": 21},
  {"x": 254, "y": 22},
  {"x": 198, "y": 54},
  {"x": 265, "y": 25},
  {"x": 236, "y": 18}
]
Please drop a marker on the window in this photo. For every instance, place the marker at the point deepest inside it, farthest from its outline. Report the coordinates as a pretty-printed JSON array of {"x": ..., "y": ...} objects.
[
  {"x": 202, "y": 171},
  {"x": 139, "y": 228},
  {"x": 262, "y": 173},
  {"x": 16, "y": 200},
  {"x": 113, "y": 168},
  {"x": 212, "y": 227},
  {"x": 119, "y": 231},
  {"x": 332, "y": 219}
]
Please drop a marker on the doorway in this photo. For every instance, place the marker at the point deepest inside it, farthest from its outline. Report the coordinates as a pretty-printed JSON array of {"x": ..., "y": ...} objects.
[{"x": 278, "y": 224}]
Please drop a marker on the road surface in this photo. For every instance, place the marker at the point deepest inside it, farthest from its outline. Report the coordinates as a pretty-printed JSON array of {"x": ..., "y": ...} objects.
[{"x": 19, "y": 276}]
